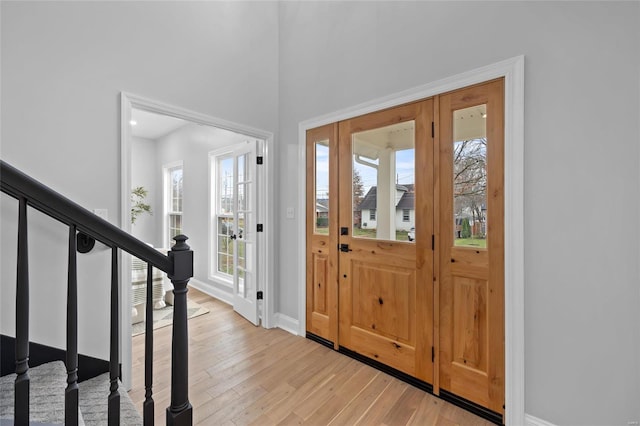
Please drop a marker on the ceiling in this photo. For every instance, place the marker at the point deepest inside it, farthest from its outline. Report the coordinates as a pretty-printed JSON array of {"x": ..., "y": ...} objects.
[
  {"x": 150, "y": 125},
  {"x": 396, "y": 137}
]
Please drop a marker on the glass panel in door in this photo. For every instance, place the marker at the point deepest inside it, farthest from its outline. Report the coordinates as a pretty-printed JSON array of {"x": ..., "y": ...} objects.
[
  {"x": 470, "y": 176},
  {"x": 321, "y": 223},
  {"x": 244, "y": 240},
  {"x": 384, "y": 182}
]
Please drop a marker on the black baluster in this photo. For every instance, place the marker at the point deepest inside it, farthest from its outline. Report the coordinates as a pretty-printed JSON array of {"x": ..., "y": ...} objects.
[
  {"x": 114, "y": 349},
  {"x": 21, "y": 402},
  {"x": 180, "y": 411},
  {"x": 147, "y": 408},
  {"x": 71, "y": 392}
]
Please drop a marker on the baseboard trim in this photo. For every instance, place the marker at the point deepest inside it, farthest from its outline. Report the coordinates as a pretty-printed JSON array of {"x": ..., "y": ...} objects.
[
  {"x": 530, "y": 420},
  {"x": 286, "y": 323},
  {"x": 280, "y": 320},
  {"x": 212, "y": 291}
]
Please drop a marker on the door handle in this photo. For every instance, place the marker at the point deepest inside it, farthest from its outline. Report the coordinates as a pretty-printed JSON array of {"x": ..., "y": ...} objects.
[
  {"x": 344, "y": 248},
  {"x": 232, "y": 236}
]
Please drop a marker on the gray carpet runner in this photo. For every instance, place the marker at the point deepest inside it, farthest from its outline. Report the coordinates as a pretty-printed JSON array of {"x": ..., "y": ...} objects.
[
  {"x": 93, "y": 403},
  {"x": 46, "y": 402}
]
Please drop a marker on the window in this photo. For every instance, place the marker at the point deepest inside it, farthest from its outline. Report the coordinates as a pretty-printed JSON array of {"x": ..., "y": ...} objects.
[
  {"x": 372, "y": 214},
  {"x": 173, "y": 188},
  {"x": 223, "y": 225},
  {"x": 470, "y": 177},
  {"x": 406, "y": 215},
  {"x": 322, "y": 187}
]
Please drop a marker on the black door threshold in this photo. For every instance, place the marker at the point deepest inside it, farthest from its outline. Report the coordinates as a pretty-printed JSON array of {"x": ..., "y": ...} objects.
[{"x": 472, "y": 407}]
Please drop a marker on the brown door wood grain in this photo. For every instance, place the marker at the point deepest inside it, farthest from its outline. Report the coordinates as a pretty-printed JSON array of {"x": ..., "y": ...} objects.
[
  {"x": 385, "y": 284},
  {"x": 471, "y": 244},
  {"x": 322, "y": 224}
]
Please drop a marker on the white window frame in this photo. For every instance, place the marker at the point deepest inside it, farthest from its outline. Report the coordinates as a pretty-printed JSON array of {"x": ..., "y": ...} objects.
[
  {"x": 167, "y": 200},
  {"x": 372, "y": 215},
  {"x": 407, "y": 215}
]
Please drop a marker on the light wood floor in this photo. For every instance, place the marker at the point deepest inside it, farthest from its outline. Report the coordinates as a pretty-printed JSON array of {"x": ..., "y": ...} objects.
[{"x": 240, "y": 374}]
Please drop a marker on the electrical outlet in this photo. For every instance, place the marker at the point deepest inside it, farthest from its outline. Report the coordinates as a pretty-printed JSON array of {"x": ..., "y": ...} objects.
[{"x": 290, "y": 213}]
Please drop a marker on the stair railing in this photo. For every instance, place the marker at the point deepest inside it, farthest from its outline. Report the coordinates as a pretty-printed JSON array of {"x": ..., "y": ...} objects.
[{"x": 84, "y": 228}]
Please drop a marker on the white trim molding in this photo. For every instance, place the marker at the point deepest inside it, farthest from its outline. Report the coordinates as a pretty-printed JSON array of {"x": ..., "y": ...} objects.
[
  {"x": 530, "y": 420},
  {"x": 513, "y": 72},
  {"x": 213, "y": 291},
  {"x": 287, "y": 323}
]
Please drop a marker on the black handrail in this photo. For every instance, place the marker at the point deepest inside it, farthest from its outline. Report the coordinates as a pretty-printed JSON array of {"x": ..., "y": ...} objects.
[
  {"x": 178, "y": 264},
  {"x": 48, "y": 201}
]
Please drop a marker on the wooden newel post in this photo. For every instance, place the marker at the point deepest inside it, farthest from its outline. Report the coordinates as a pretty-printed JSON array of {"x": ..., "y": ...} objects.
[{"x": 180, "y": 411}]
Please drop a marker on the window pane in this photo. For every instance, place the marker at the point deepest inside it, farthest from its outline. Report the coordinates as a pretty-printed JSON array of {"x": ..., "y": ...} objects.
[
  {"x": 225, "y": 245},
  {"x": 242, "y": 197},
  {"x": 242, "y": 247},
  {"x": 470, "y": 177},
  {"x": 241, "y": 168},
  {"x": 225, "y": 202},
  {"x": 176, "y": 189},
  {"x": 175, "y": 226},
  {"x": 225, "y": 225},
  {"x": 383, "y": 182},
  {"x": 225, "y": 264},
  {"x": 322, "y": 187}
]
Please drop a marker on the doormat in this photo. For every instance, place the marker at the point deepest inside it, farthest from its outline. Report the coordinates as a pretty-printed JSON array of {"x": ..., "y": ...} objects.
[{"x": 164, "y": 317}]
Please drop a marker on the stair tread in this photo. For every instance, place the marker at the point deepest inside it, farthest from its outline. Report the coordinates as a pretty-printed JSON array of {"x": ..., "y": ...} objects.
[
  {"x": 46, "y": 400},
  {"x": 94, "y": 406},
  {"x": 46, "y": 394}
]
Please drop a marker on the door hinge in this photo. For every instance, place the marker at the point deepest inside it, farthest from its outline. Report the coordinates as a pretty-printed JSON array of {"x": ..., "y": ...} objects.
[
  {"x": 260, "y": 295},
  {"x": 433, "y": 354},
  {"x": 433, "y": 130},
  {"x": 433, "y": 242},
  {"x": 259, "y": 159},
  {"x": 260, "y": 228}
]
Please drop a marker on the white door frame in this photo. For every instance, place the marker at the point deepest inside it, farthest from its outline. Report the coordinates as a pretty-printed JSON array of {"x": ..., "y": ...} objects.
[
  {"x": 265, "y": 187},
  {"x": 513, "y": 72}
]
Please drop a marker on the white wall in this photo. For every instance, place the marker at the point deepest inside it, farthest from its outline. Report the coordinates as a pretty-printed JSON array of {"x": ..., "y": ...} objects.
[
  {"x": 143, "y": 173},
  {"x": 581, "y": 163},
  {"x": 63, "y": 66}
]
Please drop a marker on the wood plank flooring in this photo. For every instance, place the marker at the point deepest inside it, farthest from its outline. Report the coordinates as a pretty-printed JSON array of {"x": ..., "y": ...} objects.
[{"x": 245, "y": 375}]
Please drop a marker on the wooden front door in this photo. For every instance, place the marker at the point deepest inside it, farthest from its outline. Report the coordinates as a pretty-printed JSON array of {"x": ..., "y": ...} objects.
[
  {"x": 471, "y": 244},
  {"x": 322, "y": 226},
  {"x": 405, "y": 250},
  {"x": 385, "y": 279}
]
